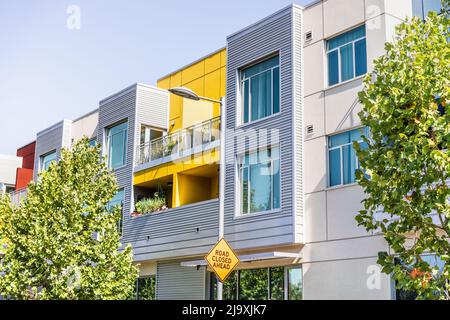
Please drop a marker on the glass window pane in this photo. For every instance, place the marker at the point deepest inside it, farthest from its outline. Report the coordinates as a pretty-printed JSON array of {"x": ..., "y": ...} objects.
[
  {"x": 349, "y": 163},
  {"x": 339, "y": 139},
  {"x": 276, "y": 90},
  {"x": 246, "y": 95},
  {"x": 431, "y": 5},
  {"x": 295, "y": 284},
  {"x": 346, "y": 37},
  {"x": 277, "y": 283},
  {"x": 146, "y": 288},
  {"x": 47, "y": 160},
  {"x": 333, "y": 67},
  {"x": 346, "y": 53},
  {"x": 335, "y": 167},
  {"x": 276, "y": 184},
  {"x": 418, "y": 8},
  {"x": 117, "y": 145},
  {"x": 230, "y": 287},
  {"x": 244, "y": 190},
  {"x": 260, "y": 187},
  {"x": 260, "y": 67},
  {"x": 360, "y": 57},
  {"x": 253, "y": 284},
  {"x": 261, "y": 95}
]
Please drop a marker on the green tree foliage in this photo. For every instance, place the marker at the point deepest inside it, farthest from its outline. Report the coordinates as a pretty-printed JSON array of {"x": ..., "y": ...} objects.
[
  {"x": 62, "y": 242},
  {"x": 407, "y": 162}
]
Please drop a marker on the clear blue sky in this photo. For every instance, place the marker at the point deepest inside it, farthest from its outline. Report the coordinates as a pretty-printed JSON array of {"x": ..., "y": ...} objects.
[{"x": 49, "y": 73}]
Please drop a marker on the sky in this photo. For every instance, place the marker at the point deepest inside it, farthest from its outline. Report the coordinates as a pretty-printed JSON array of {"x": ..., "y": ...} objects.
[{"x": 49, "y": 72}]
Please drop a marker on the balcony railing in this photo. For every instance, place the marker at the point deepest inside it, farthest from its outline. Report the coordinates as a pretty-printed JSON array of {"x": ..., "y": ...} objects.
[
  {"x": 176, "y": 144},
  {"x": 17, "y": 196}
]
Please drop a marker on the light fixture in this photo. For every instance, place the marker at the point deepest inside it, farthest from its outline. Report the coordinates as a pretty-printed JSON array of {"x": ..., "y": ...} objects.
[{"x": 185, "y": 93}]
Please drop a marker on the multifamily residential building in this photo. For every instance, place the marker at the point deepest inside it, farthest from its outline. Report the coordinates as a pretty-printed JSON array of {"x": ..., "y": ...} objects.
[{"x": 289, "y": 83}]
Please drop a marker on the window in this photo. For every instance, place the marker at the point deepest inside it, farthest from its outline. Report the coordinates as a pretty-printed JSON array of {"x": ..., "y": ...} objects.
[
  {"x": 93, "y": 142},
  {"x": 433, "y": 261},
  {"x": 342, "y": 160},
  {"x": 347, "y": 56},
  {"x": 117, "y": 200},
  {"x": 295, "y": 283},
  {"x": 117, "y": 145},
  {"x": 274, "y": 283},
  {"x": 146, "y": 288},
  {"x": 260, "y": 90},
  {"x": 421, "y": 8},
  {"x": 259, "y": 180},
  {"x": 47, "y": 159}
]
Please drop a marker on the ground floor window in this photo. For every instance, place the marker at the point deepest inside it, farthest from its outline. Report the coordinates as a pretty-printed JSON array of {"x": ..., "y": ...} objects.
[
  {"x": 275, "y": 283},
  {"x": 145, "y": 288}
]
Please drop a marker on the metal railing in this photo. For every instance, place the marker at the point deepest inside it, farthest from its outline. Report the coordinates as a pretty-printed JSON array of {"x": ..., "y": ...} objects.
[
  {"x": 180, "y": 141},
  {"x": 17, "y": 196}
]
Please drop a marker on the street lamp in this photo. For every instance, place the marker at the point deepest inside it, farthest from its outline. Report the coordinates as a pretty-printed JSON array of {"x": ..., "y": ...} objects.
[{"x": 189, "y": 94}]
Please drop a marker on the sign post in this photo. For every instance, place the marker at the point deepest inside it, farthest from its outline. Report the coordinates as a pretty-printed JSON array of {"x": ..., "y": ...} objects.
[{"x": 222, "y": 260}]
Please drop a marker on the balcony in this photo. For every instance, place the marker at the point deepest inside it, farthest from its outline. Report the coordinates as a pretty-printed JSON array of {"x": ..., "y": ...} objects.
[
  {"x": 17, "y": 196},
  {"x": 200, "y": 137}
]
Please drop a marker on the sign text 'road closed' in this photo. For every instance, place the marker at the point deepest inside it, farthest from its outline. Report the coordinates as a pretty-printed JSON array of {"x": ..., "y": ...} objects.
[{"x": 222, "y": 260}]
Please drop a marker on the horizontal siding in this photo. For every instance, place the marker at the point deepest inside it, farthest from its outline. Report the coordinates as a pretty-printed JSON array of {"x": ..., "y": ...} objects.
[
  {"x": 48, "y": 141},
  {"x": 174, "y": 282},
  {"x": 269, "y": 37},
  {"x": 169, "y": 233},
  {"x": 111, "y": 111}
]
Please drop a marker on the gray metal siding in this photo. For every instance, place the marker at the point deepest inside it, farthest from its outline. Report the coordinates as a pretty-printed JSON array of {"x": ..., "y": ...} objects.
[
  {"x": 274, "y": 35},
  {"x": 174, "y": 282},
  {"x": 47, "y": 141},
  {"x": 112, "y": 110},
  {"x": 183, "y": 231}
]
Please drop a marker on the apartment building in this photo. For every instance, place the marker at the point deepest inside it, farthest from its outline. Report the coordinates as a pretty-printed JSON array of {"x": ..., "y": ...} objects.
[{"x": 290, "y": 84}]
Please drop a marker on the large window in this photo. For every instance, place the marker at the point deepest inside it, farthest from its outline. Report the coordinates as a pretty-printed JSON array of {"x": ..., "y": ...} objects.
[
  {"x": 342, "y": 160},
  {"x": 421, "y": 8},
  {"x": 347, "y": 56},
  {"x": 117, "y": 145},
  {"x": 117, "y": 200},
  {"x": 146, "y": 288},
  {"x": 47, "y": 159},
  {"x": 276, "y": 283},
  {"x": 433, "y": 261},
  {"x": 259, "y": 180},
  {"x": 260, "y": 90}
]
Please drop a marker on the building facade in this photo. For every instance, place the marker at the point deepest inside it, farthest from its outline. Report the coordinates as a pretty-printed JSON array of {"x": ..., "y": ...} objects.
[{"x": 290, "y": 84}]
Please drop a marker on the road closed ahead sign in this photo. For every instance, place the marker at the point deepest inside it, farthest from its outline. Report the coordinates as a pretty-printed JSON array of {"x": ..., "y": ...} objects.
[{"x": 222, "y": 260}]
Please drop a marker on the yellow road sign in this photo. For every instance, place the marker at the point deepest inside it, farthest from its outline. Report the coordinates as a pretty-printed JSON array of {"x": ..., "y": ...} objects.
[{"x": 222, "y": 260}]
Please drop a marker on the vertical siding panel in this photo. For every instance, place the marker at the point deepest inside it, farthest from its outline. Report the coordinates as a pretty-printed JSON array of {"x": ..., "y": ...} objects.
[
  {"x": 272, "y": 35},
  {"x": 174, "y": 282}
]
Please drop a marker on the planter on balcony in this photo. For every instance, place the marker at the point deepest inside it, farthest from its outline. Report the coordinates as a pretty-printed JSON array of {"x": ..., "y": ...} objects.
[{"x": 150, "y": 205}]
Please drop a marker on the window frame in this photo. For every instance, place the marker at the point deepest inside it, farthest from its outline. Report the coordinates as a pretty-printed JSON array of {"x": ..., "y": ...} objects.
[
  {"x": 42, "y": 157},
  {"x": 341, "y": 167},
  {"x": 108, "y": 143},
  {"x": 327, "y": 52},
  {"x": 241, "y": 80},
  {"x": 239, "y": 189}
]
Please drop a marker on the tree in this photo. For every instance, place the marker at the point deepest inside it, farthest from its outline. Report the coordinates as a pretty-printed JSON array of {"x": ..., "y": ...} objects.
[
  {"x": 62, "y": 242},
  {"x": 407, "y": 159}
]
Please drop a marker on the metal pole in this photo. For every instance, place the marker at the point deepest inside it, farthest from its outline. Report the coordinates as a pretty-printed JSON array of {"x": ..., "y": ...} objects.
[{"x": 222, "y": 183}]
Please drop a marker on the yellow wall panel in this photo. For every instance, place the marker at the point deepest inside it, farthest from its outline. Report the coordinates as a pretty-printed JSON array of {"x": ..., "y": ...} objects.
[
  {"x": 198, "y": 86},
  {"x": 164, "y": 83},
  {"x": 223, "y": 58},
  {"x": 193, "y": 72},
  {"x": 212, "y": 63},
  {"x": 212, "y": 85},
  {"x": 175, "y": 80},
  {"x": 223, "y": 81}
]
